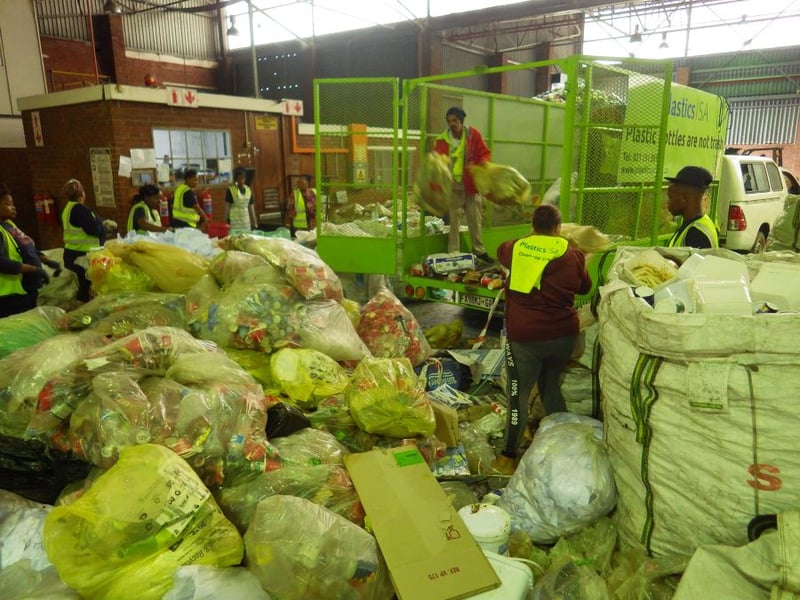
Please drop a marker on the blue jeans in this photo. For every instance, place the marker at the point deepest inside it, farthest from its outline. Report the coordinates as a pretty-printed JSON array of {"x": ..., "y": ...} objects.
[{"x": 532, "y": 363}]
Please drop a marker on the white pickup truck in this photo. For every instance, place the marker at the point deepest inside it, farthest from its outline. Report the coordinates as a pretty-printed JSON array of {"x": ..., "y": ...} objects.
[{"x": 751, "y": 196}]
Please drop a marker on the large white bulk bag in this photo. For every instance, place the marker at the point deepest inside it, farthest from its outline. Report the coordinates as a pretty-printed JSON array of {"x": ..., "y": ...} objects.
[{"x": 701, "y": 415}]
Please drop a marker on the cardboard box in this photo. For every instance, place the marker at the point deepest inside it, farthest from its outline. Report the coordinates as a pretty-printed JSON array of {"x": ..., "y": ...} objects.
[
  {"x": 446, "y": 423},
  {"x": 428, "y": 549}
]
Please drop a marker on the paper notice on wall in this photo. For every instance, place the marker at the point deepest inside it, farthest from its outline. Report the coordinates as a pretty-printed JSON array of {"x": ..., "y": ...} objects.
[
  {"x": 124, "y": 166},
  {"x": 143, "y": 158},
  {"x": 102, "y": 176}
]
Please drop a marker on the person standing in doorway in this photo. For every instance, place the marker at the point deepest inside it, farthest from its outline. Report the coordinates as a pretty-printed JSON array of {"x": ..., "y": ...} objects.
[
  {"x": 301, "y": 210},
  {"x": 465, "y": 147},
  {"x": 186, "y": 210},
  {"x": 83, "y": 231},
  {"x": 546, "y": 272},
  {"x": 240, "y": 213}
]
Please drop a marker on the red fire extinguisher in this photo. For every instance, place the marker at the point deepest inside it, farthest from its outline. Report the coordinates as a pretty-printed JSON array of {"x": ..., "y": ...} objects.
[
  {"x": 163, "y": 209},
  {"x": 206, "y": 203},
  {"x": 45, "y": 209}
]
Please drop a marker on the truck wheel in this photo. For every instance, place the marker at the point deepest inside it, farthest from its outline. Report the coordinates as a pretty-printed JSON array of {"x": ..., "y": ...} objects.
[{"x": 761, "y": 243}]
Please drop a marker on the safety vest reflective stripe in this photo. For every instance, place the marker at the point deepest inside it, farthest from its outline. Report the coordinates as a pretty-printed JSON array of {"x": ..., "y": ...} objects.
[
  {"x": 150, "y": 215},
  {"x": 457, "y": 155},
  {"x": 9, "y": 283},
  {"x": 179, "y": 211},
  {"x": 529, "y": 258},
  {"x": 705, "y": 225},
  {"x": 300, "y": 219},
  {"x": 75, "y": 238},
  {"x": 236, "y": 192}
]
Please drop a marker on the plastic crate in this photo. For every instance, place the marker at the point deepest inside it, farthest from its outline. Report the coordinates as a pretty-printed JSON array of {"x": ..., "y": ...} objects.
[{"x": 218, "y": 230}]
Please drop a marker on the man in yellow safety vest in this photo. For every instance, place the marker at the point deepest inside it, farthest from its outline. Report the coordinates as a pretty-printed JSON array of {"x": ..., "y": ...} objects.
[
  {"x": 301, "y": 209},
  {"x": 685, "y": 196},
  {"x": 542, "y": 324}
]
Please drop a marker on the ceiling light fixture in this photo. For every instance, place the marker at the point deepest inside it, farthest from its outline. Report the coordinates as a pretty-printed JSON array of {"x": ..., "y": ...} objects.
[
  {"x": 663, "y": 45},
  {"x": 232, "y": 29},
  {"x": 112, "y": 7},
  {"x": 636, "y": 37}
]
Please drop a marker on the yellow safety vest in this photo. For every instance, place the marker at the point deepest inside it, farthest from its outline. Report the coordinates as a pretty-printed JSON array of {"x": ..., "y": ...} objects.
[
  {"x": 75, "y": 238},
  {"x": 529, "y": 258},
  {"x": 457, "y": 155},
  {"x": 11, "y": 284},
  {"x": 152, "y": 216},
  {"x": 300, "y": 218},
  {"x": 179, "y": 211},
  {"x": 705, "y": 225}
]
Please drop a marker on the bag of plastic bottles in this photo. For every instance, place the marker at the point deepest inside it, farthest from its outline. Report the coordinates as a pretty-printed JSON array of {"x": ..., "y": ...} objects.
[
  {"x": 128, "y": 534},
  {"x": 299, "y": 550}
]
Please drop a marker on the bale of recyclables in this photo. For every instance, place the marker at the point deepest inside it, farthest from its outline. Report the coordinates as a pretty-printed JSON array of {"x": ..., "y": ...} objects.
[{"x": 701, "y": 414}]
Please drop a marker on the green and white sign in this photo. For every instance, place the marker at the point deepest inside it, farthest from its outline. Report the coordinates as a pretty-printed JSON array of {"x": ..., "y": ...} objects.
[{"x": 695, "y": 133}]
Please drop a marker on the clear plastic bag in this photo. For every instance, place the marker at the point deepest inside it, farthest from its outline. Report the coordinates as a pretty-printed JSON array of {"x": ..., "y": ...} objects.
[
  {"x": 228, "y": 266},
  {"x": 300, "y": 550},
  {"x": 197, "y": 582},
  {"x": 311, "y": 468},
  {"x": 303, "y": 268},
  {"x": 102, "y": 307},
  {"x": 326, "y": 327},
  {"x": 563, "y": 482},
  {"x": 24, "y": 373},
  {"x": 386, "y": 397},
  {"x": 569, "y": 580},
  {"x": 390, "y": 330},
  {"x": 147, "y": 352},
  {"x": 261, "y": 316},
  {"x": 307, "y": 376},
  {"x": 140, "y": 521}
]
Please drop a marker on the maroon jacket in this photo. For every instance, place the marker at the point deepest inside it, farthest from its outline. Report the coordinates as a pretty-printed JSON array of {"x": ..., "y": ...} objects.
[
  {"x": 549, "y": 312},
  {"x": 476, "y": 153}
]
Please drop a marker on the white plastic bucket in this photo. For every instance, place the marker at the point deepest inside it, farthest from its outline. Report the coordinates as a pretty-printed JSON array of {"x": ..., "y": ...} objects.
[{"x": 490, "y": 526}]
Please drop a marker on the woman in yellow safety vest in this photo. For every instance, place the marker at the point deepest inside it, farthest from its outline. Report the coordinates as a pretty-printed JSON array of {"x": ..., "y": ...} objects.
[
  {"x": 21, "y": 273},
  {"x": 144, "y": 215},
  {"x": 546, "y": 272},
  {"x": 301, "y": 209},
  {"x": 685, "y": 199},
  {"x": 83, "y": 231},
  {"x": 240, "y": 213}
]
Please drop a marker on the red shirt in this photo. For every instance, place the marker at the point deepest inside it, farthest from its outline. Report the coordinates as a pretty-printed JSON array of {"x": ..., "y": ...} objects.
[
  {"x": 475, "y": 153},
  {"x": 547, "y": 313}
]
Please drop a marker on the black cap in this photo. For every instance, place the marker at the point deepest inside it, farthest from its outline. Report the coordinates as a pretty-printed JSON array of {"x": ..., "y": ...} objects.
[{"x": 694, "y": 176}]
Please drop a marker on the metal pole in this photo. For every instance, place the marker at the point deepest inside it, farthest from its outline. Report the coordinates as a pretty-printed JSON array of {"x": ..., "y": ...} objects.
[{"x": 256, "y": 91}]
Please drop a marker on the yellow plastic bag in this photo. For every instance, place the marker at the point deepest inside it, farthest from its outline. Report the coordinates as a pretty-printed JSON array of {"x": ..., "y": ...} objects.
[
  {"x": 385, "y": 396},
  {"x": 136, "y": 525},
  {"x": 172, "y": 268},
  {"x": 501, "y": 184},
  {"x": 434, "y": 183},
  {"x": 109, "y": 273},
  {"x": 307, "y": 376}
]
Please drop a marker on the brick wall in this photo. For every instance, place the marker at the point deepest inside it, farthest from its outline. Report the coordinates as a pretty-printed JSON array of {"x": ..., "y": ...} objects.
[
  {"x": 70, "y": 131},
  {"x": 69, "y": 64},
  {"x": 14, "y": 172}
]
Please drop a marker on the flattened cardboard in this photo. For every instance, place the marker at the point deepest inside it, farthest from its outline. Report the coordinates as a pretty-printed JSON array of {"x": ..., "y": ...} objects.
[
  {"x": 429, "y": 551},
  {"x": 446, "y": 423}
]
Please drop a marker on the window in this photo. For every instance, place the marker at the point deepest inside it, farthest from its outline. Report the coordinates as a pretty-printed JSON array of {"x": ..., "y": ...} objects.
[
  {"x": 754, "y": 176},
  {"x": 206, "y": 151}
]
